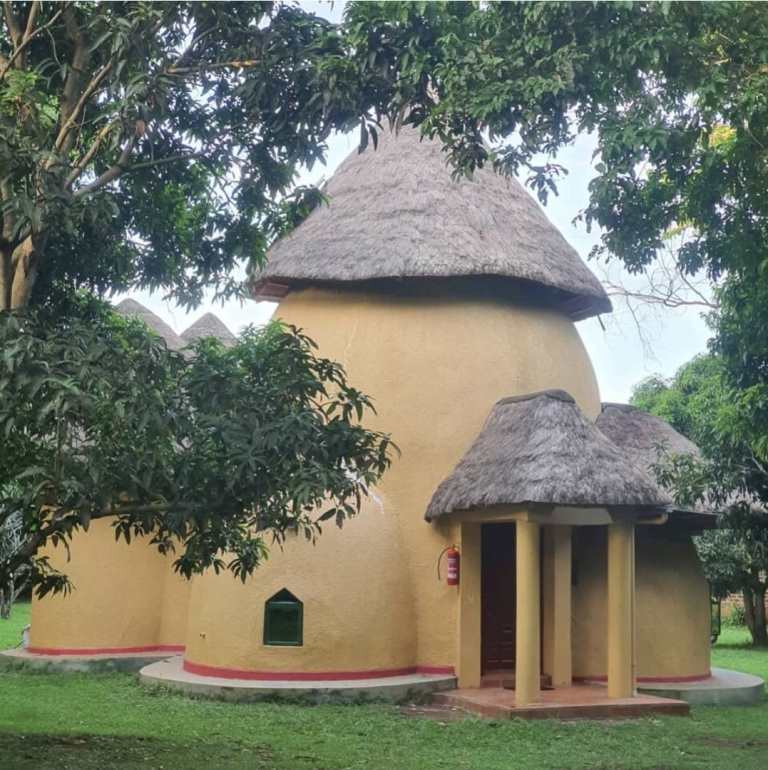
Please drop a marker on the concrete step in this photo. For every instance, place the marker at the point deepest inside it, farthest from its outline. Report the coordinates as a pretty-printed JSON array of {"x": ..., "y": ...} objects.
[{"x": 577, "y": 702}]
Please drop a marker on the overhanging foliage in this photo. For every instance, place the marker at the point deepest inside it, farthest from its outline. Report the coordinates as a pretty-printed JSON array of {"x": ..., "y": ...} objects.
[{"x": 212, "y": 454}]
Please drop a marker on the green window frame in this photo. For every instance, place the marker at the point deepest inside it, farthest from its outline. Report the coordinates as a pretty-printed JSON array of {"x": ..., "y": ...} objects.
[{"x": 284, "y": 620}]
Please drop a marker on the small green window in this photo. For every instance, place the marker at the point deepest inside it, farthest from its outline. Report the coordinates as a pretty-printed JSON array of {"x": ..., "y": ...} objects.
[{"x": 283, "y": 620}]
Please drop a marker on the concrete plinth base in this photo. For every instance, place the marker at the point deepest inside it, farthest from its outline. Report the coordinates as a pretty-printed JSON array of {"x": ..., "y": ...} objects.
[
  {"x": 584, "y": 701},
  {"x": 20, "y": 659},
  {"x": 723, "y": 688},
  {"x": 170, "y": 674}
]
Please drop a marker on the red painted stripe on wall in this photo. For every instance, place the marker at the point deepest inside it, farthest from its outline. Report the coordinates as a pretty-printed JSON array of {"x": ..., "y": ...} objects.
[
  {"x": 649, "y": 679},
  {"x": 106, "y": 650},
  {"x": 202, "y": 669}
]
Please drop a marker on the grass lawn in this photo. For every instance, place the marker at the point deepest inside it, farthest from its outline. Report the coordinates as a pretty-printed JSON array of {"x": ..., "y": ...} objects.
[{"x": 107, "y": 721}]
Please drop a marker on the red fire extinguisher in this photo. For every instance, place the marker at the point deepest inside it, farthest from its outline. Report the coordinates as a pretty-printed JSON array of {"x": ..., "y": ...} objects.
[{"x": 453, "y": 564}]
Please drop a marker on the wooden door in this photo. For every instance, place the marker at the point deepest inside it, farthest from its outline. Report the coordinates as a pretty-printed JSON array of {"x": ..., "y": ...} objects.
[{"x": 498, "y": 597}]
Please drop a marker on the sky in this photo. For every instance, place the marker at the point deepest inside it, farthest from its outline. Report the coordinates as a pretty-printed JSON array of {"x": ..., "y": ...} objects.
[{"x": 620, "y": 355}]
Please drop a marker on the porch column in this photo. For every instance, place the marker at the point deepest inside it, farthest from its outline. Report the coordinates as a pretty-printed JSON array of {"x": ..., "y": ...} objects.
[
  {"x": 469, "y": 606},
  {"x": 621, "y": 602},
  {"x": 561, "y": 606},
  {"x": 528, "y": 632}
]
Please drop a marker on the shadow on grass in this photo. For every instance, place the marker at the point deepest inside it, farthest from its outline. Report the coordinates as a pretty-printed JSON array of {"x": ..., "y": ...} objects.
[
  {"x": 89, "y": 752},
  {"x": 740, "y": 646}
]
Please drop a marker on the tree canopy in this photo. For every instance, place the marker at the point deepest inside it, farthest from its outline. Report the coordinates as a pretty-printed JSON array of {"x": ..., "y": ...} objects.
[
  {"x": 212, "y": 452},
  {"x": 699, "y": 402},
  {"x": 156, "y": 145}
]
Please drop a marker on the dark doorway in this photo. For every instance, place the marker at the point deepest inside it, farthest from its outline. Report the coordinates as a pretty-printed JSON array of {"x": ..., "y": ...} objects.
[{"x": 498, "y": 597}]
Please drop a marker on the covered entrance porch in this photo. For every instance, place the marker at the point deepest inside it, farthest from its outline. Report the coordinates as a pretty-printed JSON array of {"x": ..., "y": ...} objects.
[
  {"x": 516, "y": 601},
  {"x": 539, "y": 472}
]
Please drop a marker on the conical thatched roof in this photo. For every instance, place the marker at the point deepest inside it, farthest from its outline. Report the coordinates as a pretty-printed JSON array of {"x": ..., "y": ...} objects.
[
  {"x": 130, "y": 307},
  {"x": 645, "y": 438},
  {"x": 208, "y": 325},
  {"x": 540, "y": 448},
  {"x": 396, "y": 213},
  {"x": 642, "y": 434}
]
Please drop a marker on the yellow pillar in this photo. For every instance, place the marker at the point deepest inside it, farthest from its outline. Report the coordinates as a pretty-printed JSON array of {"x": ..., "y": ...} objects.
[
  {"x": 556, "y": 604},
  {"x": 560, "y": 668},
  {"x": 469, "y": 606},
  {"x": 621, "y": 603},
  {"x": 528, "y": 631}
]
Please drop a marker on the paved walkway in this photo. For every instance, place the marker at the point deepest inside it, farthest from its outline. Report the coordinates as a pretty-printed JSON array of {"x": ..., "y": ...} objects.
[{"x": 723, "y": 688}]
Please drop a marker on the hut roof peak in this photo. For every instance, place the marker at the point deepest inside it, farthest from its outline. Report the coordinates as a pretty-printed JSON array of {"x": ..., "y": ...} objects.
[
  {"x": 208, "y": 325},
  {"x": 130, "y": 307},
  {"x": 558, "y": 395},
  {"x": 397, "y": 214}
]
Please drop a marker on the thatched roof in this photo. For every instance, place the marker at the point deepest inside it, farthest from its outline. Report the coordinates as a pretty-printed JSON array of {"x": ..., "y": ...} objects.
[
  {"x": 646, "y": 438},
  {"x": 395, "y": 213},
  {"x": 130, "y": 307},
  {"x": 541, "y": 448},
  {"x": 208, "y": 325},
  {"x": 643, "y": 435}
]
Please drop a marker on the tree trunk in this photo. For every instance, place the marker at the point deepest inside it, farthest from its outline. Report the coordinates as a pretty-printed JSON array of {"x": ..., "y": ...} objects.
[
  {"x": 6, "y": 278},
  {"x": 759, "y": 634},
  {"x": 6, "y": 600},
  {"x": 24, "y": 261},
  {"x": 749, "y": 610}
]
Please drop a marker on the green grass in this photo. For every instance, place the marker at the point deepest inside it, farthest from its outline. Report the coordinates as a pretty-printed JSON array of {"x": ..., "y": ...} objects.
[
  {"x": 10, "y": 630},
  {"x": 733, "y": 650},
  {"x": 86, "y": 722}
]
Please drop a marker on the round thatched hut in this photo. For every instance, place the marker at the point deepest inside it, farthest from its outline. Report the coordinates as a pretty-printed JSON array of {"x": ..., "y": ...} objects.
[{"x": 443, "y": 297}]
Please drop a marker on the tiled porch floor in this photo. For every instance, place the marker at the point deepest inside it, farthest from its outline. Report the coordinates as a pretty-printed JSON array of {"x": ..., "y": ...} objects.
[{"x": 580, "y": 701}]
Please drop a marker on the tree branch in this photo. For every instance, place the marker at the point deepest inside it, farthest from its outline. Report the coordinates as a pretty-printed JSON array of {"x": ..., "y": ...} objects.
[
  {"x": 94, "y": 83},
  {"x": 91, "y": 152},
  {"x": 119, "y": 169},
  {"x": 14, "y": 29},
  {"x": 77, "y": 66},
  {"x": 112, "y": 172},
  {"x": 6, "y": 194},
  {"x": 29, "y": 34},
  {"x": 233, "y": 64},
  {"x": 34, "y": 9},
  {"x": 661, "y": 298},
  {"x": 188, "y": 50}
]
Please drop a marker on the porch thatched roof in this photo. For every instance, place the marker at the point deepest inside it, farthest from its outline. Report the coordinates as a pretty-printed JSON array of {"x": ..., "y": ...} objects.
[
  {"x": 130, "y": 307},
  {"x": 395, "y": 213},
  {"x": 208, "y": 325},
  {"x": 540, "y": 448}
]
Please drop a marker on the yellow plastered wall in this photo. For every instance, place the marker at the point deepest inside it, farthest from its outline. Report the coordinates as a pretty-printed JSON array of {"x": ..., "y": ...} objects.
[
  {"x": 673, "y": 616},
  {"x": 672, "y": 605},
  {"x": 174, "y": 608},
  {"x": 434, "y": 365},
  {"x": 357, "y": 604},
  {"x": 117, "y": 598}
]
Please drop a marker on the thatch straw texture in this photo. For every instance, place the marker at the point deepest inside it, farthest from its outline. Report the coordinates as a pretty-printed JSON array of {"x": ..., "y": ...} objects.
[
  {"x": 396, "y": 213},
  {"x": 646, "y": 439},
  {"x": 129, "y": 307},
  {"x": 208, "y": 325},
  {"x": 540, "y": 448},
  {"x": 643, "y": 436}
]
